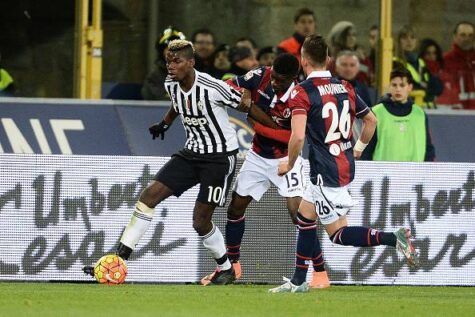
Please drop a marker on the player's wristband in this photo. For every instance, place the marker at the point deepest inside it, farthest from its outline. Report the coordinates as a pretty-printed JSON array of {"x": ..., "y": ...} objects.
[{"x": 360, "y": 146}]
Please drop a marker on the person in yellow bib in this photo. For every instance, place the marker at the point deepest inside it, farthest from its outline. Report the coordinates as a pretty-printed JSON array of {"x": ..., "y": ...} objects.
[
  {"x": 426, "y": 85},
  {"x": 402, "y": 132},
  {"x": 7, "y": 87}
]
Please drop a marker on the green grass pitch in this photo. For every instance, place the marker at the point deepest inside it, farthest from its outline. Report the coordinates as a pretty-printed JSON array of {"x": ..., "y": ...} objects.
[{"x": 63, "y": 299}]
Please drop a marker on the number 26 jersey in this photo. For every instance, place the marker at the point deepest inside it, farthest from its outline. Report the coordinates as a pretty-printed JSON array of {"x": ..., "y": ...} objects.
[{"x": 331, "y": 106}]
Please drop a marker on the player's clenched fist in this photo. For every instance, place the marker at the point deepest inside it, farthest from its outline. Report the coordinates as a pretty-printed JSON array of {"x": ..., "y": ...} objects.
[
  {"x": 158, "y": 130},
  {"x": 245, "y": 104},
  {"x": 284, "y": 168}
]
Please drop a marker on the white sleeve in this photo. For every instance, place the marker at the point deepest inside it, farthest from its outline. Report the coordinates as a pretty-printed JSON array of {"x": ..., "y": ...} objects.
[{"x": 227, "y": 95}]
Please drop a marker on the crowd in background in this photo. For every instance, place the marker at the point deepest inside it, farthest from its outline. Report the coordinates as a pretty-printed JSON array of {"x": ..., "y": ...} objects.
[{"x": 439, "y": 80}]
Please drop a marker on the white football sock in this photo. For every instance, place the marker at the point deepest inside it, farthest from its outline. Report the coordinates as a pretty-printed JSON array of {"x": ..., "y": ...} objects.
[
  {"x": 138, "y": 225},
  {"x": 214, "y": 242}
]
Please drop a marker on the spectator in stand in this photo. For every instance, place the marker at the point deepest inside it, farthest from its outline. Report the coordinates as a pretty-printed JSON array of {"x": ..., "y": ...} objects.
[
  {"x": 266, "y": 56},
  {"x": 459, "y": 69},
  {"x": 424, "y": 83},
  {"x": 247, "y": 42},
  {"x": 402, "y": 131},
  {"x": 204, "y": 43},
  {"x": 153, "y": 88},
  {"x": 342, "y": 37},
  {"x": 242, "y": 60},
  {"x": 7, "y": 86},
  {"x": 304, "y": 25},
  {"x": 347, "y": 68},
  {"x": 221, "y": 63},
  {"x": 431, "y": 53},
  {"x": 373, "y": 38}
]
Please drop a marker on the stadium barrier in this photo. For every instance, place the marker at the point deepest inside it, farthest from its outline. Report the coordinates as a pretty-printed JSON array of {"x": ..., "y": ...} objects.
[
  {"x": 107, "y": 127},
  {"x": 58, "y": 213}
]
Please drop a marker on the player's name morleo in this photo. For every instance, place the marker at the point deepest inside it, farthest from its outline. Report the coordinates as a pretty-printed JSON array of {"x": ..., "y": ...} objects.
[{"x": 331, "y": 89}]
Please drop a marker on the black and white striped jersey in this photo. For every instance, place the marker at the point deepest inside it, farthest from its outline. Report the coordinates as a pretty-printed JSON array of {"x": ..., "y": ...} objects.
[{"x": 204, "y": 115}]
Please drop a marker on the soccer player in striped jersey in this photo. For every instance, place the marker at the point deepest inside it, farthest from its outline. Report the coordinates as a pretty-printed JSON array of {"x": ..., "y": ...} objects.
[
  {"x": 323, "y": 110},
  {"x": 208, "y": 158},
  {"x": 269, "y": 89}
]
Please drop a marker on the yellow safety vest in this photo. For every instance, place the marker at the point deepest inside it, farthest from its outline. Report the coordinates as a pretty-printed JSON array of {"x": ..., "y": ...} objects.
[
  {"x": 400, "y": 139},
  {"x": 5, "y": 79}
]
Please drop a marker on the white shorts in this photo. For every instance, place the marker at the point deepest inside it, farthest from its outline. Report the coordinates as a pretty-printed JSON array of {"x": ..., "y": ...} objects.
[
  {"x": 330, "y": 202},
  {"x": 257, "y": 174}
]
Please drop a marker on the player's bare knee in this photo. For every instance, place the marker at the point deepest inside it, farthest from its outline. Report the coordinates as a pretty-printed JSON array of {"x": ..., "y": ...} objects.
[
  {"x": 293, "y": 211},
  {"x": 202, "y": 215},
  {"x": 154, "y": 193},
  {"x": 202, "y": 226},
  {"x": 236, "y": 211},
  {"x": 237, "y": 207}
]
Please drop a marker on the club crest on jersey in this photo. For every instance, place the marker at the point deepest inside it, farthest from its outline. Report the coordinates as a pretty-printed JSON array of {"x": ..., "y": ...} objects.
[
  {"x": 200, "y": 105},
  {"x": 286, "y": 113}
]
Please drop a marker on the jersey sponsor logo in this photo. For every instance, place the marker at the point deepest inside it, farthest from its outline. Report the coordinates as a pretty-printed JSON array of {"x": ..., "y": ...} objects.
[
  {"x": 335, "y": 148},
  {"x": 195, "y": 121}
]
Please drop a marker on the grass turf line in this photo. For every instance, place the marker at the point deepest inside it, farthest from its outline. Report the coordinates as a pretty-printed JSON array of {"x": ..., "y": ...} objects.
[{"x": 63, "y": 299}]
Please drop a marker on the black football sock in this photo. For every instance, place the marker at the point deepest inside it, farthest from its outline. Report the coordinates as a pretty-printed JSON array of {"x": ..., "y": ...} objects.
[
  {"x": 234, "y": 234},
  {"x": 305, "y": 246},
  {"x": 317, "y": 260},
  {"x": 363, "y": 237}
]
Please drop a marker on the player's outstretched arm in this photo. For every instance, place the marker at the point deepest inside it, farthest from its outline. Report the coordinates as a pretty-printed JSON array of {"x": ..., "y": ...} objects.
[
  {"x": 158, "y": 129},
  {"x": 369, "y": 126},
  {"x": 280, "y": 135},
  {"x": 260, "y": 116},
  {"x": 246, "y": 102},
  {"x": 296, "y": 142}
]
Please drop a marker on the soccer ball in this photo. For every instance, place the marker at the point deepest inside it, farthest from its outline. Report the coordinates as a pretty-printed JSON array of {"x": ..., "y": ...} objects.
[{"x": 110, "y": 269}]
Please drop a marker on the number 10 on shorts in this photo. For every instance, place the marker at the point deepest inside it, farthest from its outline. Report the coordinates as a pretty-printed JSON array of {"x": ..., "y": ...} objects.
[{"x": 215, "y": 194}]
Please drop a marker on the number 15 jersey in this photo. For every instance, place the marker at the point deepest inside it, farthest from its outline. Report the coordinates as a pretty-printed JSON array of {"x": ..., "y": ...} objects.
[{"x": 331, "y": 106}]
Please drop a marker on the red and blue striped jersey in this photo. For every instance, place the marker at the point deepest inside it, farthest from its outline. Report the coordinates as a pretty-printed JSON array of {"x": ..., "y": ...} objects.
[
  {"x": 258, "y": 81},
  {"x": 331, "y": 106}
]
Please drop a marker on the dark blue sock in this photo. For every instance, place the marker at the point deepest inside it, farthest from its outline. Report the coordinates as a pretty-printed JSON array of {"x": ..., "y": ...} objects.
[
  {"x": 317, "y": 259},
  {"x": 363, "y": 237},
  {"x": 234, "y": 234},
  {"x": 305, "y": 246}
]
